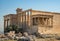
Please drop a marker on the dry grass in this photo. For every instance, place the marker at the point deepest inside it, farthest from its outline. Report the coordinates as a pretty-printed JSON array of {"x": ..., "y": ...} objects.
[
  {"x": 47, "y": 39},
  {"x": 8, "y": 40},
  {"x": 39, "y": 39}
]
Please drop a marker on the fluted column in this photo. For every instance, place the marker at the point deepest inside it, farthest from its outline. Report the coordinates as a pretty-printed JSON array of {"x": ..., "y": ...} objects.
[{"x": 4, "y": 23}]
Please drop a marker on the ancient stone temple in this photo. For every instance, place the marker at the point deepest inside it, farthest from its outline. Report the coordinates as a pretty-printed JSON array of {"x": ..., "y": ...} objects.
[{"x": 37, "y": 21}]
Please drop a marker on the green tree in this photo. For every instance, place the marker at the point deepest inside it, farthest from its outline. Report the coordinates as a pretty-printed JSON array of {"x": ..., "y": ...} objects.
[{"x": 12, "y": 28}]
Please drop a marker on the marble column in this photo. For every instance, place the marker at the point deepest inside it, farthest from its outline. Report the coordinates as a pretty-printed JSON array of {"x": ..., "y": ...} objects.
[
  {"x": 7, "y": 22},
  {"x": 4, "y": 23}
]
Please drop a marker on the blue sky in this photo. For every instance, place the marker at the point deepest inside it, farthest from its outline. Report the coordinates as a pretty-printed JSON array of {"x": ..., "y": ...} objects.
[{"x": 9, "y": 6}]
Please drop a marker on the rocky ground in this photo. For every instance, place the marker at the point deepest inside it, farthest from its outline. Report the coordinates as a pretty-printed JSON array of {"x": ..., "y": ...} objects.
[{"x": 35, "y": 37}]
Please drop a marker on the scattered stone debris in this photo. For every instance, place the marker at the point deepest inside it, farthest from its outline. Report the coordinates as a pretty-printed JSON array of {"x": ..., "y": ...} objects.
[{"x": 28, "y": 37}]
